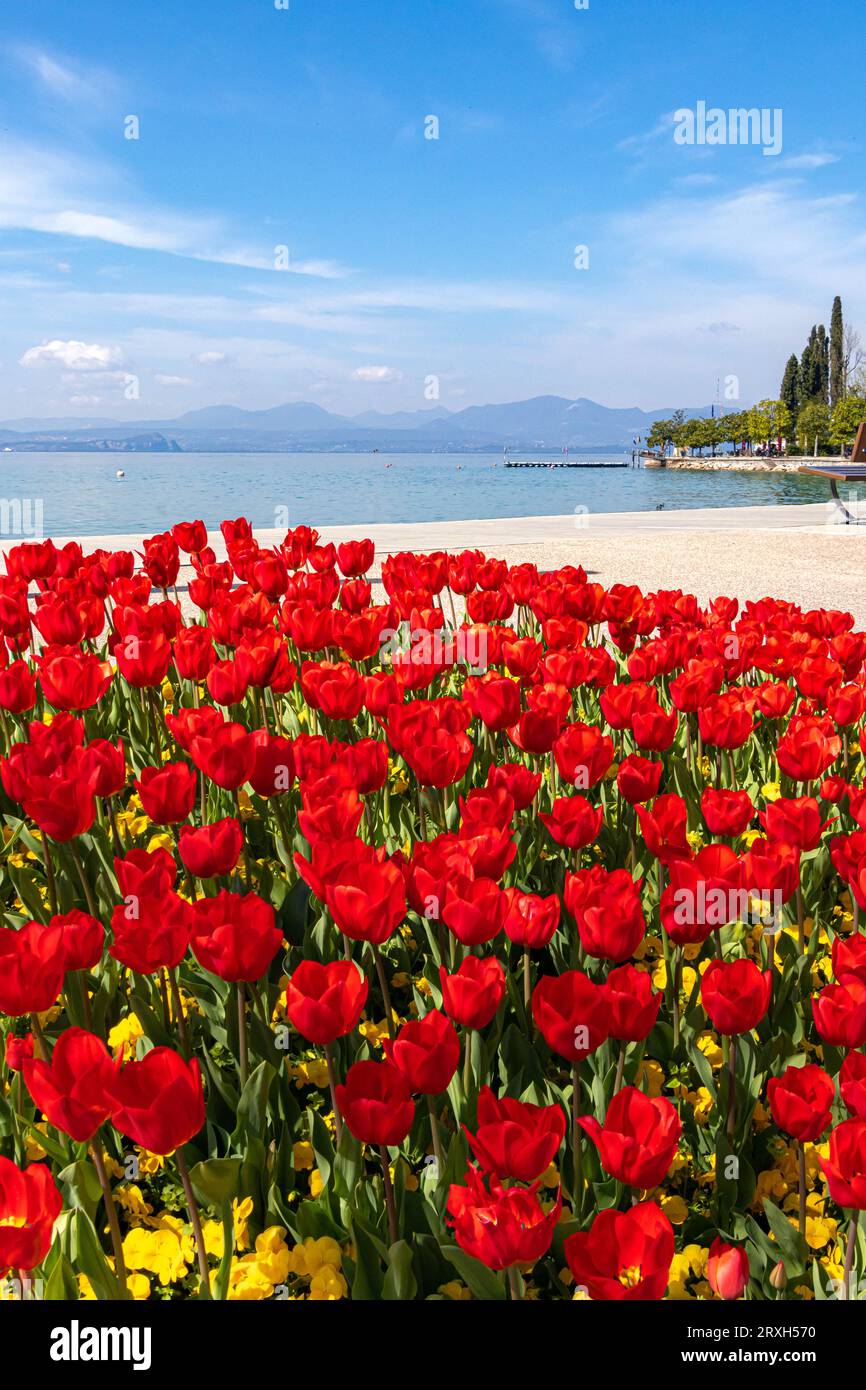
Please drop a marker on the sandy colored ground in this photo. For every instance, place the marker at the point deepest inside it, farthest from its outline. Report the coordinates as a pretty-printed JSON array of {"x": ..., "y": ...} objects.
[{"x": 800, "y": 553}]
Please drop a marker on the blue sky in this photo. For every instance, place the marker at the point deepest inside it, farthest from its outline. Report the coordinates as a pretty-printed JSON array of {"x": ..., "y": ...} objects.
[{"x": 152, "y": 261}]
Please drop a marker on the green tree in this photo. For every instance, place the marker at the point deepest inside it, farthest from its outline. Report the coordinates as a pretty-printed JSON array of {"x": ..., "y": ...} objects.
[
  {"x": 769, "y": 420},
  {"x": 837, "y": 353},
  {"x": 790, "y": 388},
  {"x": 734, "y": 428},
  {"x": 814, "y": 366},
  {"x": 813, "y": 426},
  {"x": 660, "y": 434},
  {"x": 847, "y": 416}
]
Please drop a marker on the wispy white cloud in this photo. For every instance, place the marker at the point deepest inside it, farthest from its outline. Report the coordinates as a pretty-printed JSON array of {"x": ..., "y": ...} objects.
[
  {"x": 64, "y": 77},
  {"x": 74, "y": 355},
  {"x": 376, "y": 375},
  {"x": 58, "y": 194}
]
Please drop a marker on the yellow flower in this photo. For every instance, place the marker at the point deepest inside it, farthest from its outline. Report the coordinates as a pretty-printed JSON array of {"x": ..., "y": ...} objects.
[
  {"x": 137, "y": 1284},
  {"x": 316, "y": 1183},
  {"x": 375, "y": 1032},
  {"x": 771, "y": 791},
  {"x": 272, "y": 1254},
  {"x": 327, "y": 1285},
  {"x": 162, "y": 840},
  {"x": 820, "y": 1230},
  {"x": 675, "y": 1210},
  {"x": 457, "y": 1292},
  {"x": 702, "y": 1104},
  {"x": 708, "y": 1044},
  {"x": 313, "y": 1073},
  {"x": 128, "y": 1196},
  {"x": 652, "y": 1077},
  {"x": 32, "y": 1147},
  {"x": 302, "y": 1156},
  {"x": 248, "y": 1283},
  {"x": 125, "y": 1034},
  {"x": 149, "y": 1164},
  {"x": 550, "y": 1176},
  {"x": 166, "y": 1253},
  {"x": 660, "y": 974},
  {"x": 695, "y": 839}
]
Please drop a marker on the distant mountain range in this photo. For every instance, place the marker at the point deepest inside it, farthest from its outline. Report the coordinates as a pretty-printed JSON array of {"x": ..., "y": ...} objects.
[{"x": 543, "y": 422}]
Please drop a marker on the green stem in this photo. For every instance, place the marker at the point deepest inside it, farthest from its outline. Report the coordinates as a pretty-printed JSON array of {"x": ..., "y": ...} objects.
[
  {"x": 111, "y": 1213},
  {"x": 195, "y": 1222}
]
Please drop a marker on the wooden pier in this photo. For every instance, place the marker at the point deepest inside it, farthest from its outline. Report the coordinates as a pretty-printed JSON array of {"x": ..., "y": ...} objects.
[{"x": 569, "y": 463}]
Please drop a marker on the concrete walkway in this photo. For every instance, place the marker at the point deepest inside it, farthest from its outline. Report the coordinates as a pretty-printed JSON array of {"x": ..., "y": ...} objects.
[{"x": 801, "y": 553}]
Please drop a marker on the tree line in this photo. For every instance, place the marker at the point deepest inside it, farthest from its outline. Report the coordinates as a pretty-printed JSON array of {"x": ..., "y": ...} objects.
[{"x": 821, "y": 402}]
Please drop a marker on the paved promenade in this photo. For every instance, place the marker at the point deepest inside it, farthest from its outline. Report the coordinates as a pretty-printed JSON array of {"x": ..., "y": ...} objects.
[{"x": 802, "y": 553}]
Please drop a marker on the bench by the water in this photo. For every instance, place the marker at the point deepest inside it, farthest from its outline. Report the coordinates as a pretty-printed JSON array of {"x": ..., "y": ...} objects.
[{"x": 836, "y": 471}]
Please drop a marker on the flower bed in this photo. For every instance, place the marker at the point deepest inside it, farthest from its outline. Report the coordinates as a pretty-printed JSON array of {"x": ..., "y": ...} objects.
[{"x": 496, "y": 938}]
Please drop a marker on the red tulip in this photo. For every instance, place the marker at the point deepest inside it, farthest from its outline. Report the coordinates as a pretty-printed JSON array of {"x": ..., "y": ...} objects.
[
  {"x": 513, "y": 1139},
  {"x": 474, "y": 992},
  {"x": 520, "y": 783},
  {"x": 726, "y": 812},
  {"x": 212, "y": 850},
  {"x": 840, "y": 1013},
  {"x": 234, "y": 935},
  {"x": 73, "y": 1090},
  {"x": 638, "y": 779},
  {"x": 81, "y": 939},
  {"x": 632, "y": 1006},
  {"x": 324, "y": 1002},
  {"x": 735, "y": 995},
  {"x": 30, "y": 1203},
  {"x": 727, "y": 1269},
  {"x": 639, "y": 1138},
  {"x": 18, "y": 1050},
  {"x": 845, "y": 1166},
  {"x": 151, "y": 933},
  {"x": 167, "y": 793},
  {"x": 226, "y": 756},
  {"x": 571, "y": 1013},
  {"x": 500, "y": 1226},
  {"x": 158, "y": 1101},
  {"x": 800, "y": 1101},
  {"x": 31, "y": 968},
  {"x": 572, "y": 821},
  {"x": 625, "y": 1256},
  {"x": 376, "y": 1103},
  {"x": 607, "y": 910},
  {"x": 664, "y": 828},
  {"x": 852, "y": 1084},
  {"x": 531, "y": 920},
  {"x": 366, "y": 896},
  {"x": 849, "y": 957},
  {"x": 475, "y": 909},
  {"x": 17, "y": 688},
  {"x": 427, "y": 1052},
  {"x": 583, "y": 755}
]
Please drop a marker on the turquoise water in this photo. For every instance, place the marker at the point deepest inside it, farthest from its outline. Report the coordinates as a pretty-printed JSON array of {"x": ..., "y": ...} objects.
[{"x": 81, "y": 495}]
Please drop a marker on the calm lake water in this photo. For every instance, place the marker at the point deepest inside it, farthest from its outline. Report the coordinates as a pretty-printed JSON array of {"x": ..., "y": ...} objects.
[{"x": 81, "y": 495}]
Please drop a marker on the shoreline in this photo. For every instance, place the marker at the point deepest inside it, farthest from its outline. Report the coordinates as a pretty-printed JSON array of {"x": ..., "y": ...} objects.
[
  {"x": 799, "y": 552},
  {"x": 730, "y": 463}
]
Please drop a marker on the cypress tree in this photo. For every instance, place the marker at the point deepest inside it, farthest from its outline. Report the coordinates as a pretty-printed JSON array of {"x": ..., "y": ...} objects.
[
  {"x": 810, "y": 369},
  {"x": 837, "y": 369},
  {"x": 823, "y": 352},
  {"x": 789, "y": 392}
]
